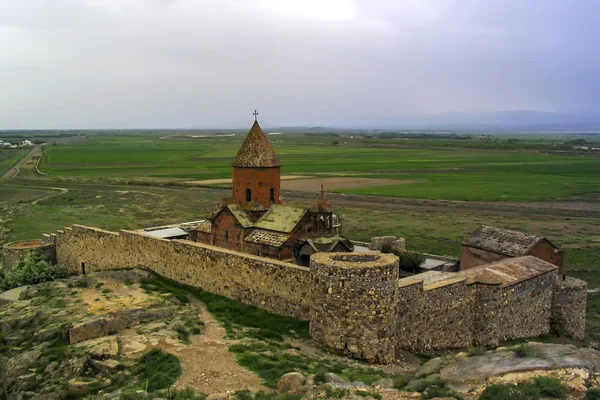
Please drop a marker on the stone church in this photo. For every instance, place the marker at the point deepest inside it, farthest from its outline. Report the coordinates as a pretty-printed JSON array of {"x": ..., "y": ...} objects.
[{"x": 257, "y": 221}]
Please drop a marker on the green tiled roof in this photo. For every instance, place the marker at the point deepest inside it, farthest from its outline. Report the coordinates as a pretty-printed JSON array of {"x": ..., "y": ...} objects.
[
  {"x": 240, "y": 215},
  {"x": 281, "y": 218}
]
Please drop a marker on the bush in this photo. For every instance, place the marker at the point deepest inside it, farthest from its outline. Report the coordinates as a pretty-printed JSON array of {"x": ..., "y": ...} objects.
[
  {"x": 593, "y": 394},
  {"x": 411, "y": 261},
  {"x": 524, "y": 350},
  {"x": 158, "y": 369},
  {"x": 540, "y": 386},
  {"x": 386, "y": 249},
  {"x": 550, "y": 387},
  {"x": 476, "y": 351},
  {"x": 31, "y": 271}
]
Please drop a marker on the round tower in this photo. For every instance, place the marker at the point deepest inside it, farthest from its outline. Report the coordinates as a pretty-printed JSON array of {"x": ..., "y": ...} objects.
[
  {"x": 17, "y": 251},
  {"x": 354, "y": 304},
  {"x": 256, "y": 172}
]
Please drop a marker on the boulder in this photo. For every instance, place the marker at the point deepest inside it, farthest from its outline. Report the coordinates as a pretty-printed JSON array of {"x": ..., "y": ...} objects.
[
  {"x": 385, "y": 383},
  {"x": 331, "y": 377},
  {"x": 429, "y": 367},
  {"x": 110, "y": 324},
  {"x": 102, "y": 348},
  {"x": 106, "y": 365},
  {"x": 498, "y": 363},
  {"x": 290, "y": 383}
]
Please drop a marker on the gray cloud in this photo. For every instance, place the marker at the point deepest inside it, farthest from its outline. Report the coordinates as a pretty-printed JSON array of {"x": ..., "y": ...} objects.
[{"x": 190, "y": 63}]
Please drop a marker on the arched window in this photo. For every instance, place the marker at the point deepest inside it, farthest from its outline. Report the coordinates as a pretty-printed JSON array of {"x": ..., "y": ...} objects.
[
  {"x": 248, "y": 194},
  {"x": 272, "y": 195}
]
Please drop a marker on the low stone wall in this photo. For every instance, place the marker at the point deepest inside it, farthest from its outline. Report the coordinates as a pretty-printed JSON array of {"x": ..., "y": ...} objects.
[
  {"x": 433, "y": 318},
  {"x": 568, "y": 307},
  {"x": 354, "y": 304},
  {"x": 16, "y": 251},
  {"x": 273, "y": 285}
]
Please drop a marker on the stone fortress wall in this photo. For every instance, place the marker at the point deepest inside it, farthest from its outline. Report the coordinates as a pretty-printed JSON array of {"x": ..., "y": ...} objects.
[{"x": 356, "y": 306}]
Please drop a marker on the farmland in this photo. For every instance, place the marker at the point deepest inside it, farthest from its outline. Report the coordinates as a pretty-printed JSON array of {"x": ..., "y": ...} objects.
[
  {"x": 432, "y": 192},
  {"x": 448, "y": 172}
]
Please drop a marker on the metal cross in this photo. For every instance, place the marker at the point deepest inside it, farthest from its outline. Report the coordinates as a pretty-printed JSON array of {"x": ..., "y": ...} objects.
[{"x": 255, "y": 113}]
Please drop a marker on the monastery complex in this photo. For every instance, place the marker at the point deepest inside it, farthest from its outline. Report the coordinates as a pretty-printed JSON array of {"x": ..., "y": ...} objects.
[{"x": 292, "y": 260}]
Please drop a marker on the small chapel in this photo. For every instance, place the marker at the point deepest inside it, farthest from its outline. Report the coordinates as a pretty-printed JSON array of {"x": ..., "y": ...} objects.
[{"x": 256, "y": 220}]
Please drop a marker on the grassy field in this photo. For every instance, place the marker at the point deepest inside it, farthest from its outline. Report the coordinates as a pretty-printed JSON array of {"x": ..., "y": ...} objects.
[
  {"x": 8, "y": 157},
  {"x": 100, "y": 180},
  {"x": 451, "y": 172}
]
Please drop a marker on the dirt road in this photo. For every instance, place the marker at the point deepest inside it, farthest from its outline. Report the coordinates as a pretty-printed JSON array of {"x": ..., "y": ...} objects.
[{"x": 14, "y": 170}]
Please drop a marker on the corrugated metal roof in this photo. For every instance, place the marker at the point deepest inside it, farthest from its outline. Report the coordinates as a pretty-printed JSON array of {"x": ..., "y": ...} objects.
[
  {"x": 503, "y": 241},
  {"x": 273, "y": 239},
  {"x": 167, "y": 233},
  {"x": 281, "y": 218},
  {"x": 256, "y": 151}
]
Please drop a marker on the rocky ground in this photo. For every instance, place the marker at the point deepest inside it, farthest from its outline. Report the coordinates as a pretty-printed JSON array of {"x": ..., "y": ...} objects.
[{"x": 87, "y": 337}]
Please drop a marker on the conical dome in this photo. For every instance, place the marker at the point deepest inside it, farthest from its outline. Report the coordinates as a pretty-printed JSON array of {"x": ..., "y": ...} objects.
[{"x": 256, "y": 151}]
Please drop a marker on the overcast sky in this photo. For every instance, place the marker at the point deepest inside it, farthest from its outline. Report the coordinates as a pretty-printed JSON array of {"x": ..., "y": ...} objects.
[{"x": 205, "y": 63}]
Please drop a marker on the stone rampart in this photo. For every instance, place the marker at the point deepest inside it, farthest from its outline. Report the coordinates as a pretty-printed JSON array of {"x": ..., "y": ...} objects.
[
  {"x": 270, "y": 284},
  {"x": 16, "y": 251},
  {"x": 354, "y": 300},
  {"x": 568, "y": 307},
  {"x": 526, "y": 307},
  {"x": 435, "y": 317}
]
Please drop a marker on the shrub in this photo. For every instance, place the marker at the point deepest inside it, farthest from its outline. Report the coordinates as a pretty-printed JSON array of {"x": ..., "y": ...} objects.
[
  {"x": 498, "y": 392},
  {"x": 592, "y": 394},
  {"x": 436, "y": 388},
  {"x": 524, "y": 350},
  {"x": 411, "y": 261},
  {"x": 386, "y": 249},
  {"x": 550, "y": 387},
  {"x": 476, "y": 351},
  {"x": 158, "y": 369},
  {"x": 33, "y": 269},
  {"x": 182, "y": 333},
  {"x": 319, "y": 378},
  {"x": 364, "y": 393}
]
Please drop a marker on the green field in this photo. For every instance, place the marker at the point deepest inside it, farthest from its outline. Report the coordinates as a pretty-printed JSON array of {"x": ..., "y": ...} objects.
[
  {"x": 444, "y": 172},
  {"x": 9, "y": 157},
  {"x": 134, "y": 181}
]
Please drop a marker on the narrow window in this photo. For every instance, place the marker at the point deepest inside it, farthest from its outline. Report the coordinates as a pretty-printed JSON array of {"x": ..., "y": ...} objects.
[
  {"x": 226, "y": 235},
  {"x": 272, "y": 195},
  {"x": 83, "y": 268},
  {"x": 248, "y": 194}
]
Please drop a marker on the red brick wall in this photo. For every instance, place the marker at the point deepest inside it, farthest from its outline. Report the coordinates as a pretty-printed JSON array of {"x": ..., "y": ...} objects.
[
  {"x": 226, "y": 231},
  {"x": 259, "y": 181},
  {"x": 547, "y": 252},
  {"x": 472, "y": 257}
]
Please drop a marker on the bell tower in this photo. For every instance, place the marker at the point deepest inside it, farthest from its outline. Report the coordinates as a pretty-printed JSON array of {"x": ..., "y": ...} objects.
[{"x": 256, "y": 172}]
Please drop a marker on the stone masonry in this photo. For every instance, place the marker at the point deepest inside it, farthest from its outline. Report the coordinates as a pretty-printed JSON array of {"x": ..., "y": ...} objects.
[{"x": 354, "y": 304}]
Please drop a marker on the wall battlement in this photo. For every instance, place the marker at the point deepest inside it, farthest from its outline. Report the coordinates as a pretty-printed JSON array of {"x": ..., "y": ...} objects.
[{"x": 355, "y": 302}]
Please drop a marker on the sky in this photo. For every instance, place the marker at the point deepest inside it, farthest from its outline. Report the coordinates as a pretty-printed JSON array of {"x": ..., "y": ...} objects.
[{"x": 210, "y": 63}]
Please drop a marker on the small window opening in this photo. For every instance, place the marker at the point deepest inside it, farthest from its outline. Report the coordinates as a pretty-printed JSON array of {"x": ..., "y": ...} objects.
[
  {"x": 226, "y": 235},
  {"x": 82, "y": 268},
  {"x": 248, "y": 194},
  {"x": 272, "y": 195}
]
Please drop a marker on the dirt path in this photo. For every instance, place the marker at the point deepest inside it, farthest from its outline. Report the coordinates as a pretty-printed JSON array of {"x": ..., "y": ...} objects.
[
  {"x": 14, "y": 170},
  {"x": 208, "y": 365},
  {"x": 60, "y": 191}
]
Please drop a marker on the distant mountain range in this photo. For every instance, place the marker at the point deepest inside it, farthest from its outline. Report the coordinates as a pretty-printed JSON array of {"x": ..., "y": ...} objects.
[{"x": 521, "y": 120}]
